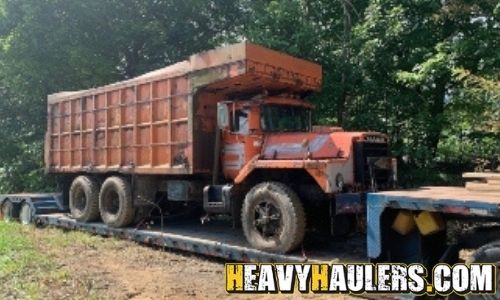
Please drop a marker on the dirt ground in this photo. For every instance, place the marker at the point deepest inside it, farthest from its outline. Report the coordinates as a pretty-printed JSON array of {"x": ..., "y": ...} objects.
[{"x": 113, "y": 269}]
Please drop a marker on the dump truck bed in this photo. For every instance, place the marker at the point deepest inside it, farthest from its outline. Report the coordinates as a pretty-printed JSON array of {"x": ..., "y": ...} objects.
[{"x": 164, "y": 122}]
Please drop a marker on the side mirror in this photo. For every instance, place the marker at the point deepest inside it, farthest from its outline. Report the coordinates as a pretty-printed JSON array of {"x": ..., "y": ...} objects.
[{"x": 222, "y": 115}]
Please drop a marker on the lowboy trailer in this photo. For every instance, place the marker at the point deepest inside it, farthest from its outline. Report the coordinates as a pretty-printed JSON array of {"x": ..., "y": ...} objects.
[
  {"x": 216, "y": 238},
  {"x": 404, "y": 226},
  {"x": 387, "y": 238}
]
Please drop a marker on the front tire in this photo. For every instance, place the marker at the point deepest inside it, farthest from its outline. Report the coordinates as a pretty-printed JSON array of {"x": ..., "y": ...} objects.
[
  {"x": 115, "y": 202},
  {"x": 273, "y": 218},
  {"x": 83, "y": 199}
]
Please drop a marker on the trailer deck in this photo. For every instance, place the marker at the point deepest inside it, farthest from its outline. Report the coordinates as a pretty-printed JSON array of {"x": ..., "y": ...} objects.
[{"x": 216, "y": 239}]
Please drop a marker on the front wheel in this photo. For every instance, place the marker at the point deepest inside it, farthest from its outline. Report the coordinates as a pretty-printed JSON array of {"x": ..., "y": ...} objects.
[{"x": 273, "y": 218}]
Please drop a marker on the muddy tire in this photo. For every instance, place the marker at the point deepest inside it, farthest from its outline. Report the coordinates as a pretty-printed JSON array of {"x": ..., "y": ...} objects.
[
  {"x": 115, "y": 202},
  {"x": 489, "y": 253},
  {"x": 273, "y": 218},
  {"x": 84, "y": 199}
]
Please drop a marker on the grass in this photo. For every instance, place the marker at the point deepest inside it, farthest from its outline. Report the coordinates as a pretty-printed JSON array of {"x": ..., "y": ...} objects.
[
  {"x": 29, "y": 268},
  {"x": 22, "y": 267}
]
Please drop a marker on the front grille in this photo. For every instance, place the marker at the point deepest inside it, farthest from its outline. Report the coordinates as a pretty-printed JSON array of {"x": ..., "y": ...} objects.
[{"x": 363, "y": 150}]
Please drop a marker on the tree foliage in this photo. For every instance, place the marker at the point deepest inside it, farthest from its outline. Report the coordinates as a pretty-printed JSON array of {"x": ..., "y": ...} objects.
[
  {"x": 55, "y": 45},
  {"x": 425, "y": 72}
]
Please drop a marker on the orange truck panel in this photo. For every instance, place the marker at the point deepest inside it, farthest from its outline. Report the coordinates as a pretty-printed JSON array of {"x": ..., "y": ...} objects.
[
  {"x": 164, "y": 122},
  {"x": 323, "y": 155}
]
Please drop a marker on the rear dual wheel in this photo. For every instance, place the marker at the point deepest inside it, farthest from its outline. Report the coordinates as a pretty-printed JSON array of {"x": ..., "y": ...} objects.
[
  {"x": 83, "y": 199},
  {"x": 112, "y": 202},
  {"x": 115, "y": 202}
]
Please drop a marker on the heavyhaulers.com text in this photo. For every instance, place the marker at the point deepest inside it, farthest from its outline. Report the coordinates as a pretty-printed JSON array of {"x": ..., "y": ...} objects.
[{"x": 443, "y": 279}]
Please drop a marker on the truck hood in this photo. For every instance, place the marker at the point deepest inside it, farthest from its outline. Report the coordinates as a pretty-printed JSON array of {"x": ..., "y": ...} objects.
[{"x": 309, "y": 145}]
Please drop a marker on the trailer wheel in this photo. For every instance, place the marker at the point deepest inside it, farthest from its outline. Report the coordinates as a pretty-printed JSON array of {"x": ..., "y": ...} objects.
[
  {"x": 273, "y": 218},
  {"x": 115, "y": 202},
  {"x": 489, "y": 253},
  {"x": 83, "y": 199},
  {"x": 8, "y": 211},
  {"x": 26, "y": 214}
]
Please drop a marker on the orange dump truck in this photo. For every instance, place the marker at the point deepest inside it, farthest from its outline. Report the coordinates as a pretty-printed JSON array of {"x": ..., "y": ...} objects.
[{"x": 228, "y": 130}]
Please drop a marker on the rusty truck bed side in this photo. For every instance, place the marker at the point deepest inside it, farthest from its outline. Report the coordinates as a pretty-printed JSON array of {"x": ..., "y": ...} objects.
[{"x": 163, "y": 122}]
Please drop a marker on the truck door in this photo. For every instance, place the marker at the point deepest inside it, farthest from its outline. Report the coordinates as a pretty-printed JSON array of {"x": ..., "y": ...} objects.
[{"x": 240, "y": 141}]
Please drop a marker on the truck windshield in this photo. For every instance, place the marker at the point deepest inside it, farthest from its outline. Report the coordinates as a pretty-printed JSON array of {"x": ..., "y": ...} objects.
[{"x": 276, "y": 118}]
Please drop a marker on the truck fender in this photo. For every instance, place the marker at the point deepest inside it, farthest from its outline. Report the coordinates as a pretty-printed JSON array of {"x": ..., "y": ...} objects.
[{"x": 246, "y": 170}]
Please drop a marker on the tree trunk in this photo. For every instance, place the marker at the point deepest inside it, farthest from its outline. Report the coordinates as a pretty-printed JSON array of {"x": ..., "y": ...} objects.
[
  {"x": 343, "y": 100},
  {"x": 436, "y": 110}
]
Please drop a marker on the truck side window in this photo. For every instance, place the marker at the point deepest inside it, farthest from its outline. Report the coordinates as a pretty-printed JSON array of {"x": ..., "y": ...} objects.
[{"x": 240, "y": 122}]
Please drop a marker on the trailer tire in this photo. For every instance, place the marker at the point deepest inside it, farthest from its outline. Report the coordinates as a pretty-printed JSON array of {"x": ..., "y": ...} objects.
[
  {"x": 8, "y": 211},
  {"x": 275, "y": 206},
  {"x": 489, "y": 253},
  {"x": 26, "y": 213},
  {"x": 84, "y": 199},
  {"x": 116, "y": 203}
]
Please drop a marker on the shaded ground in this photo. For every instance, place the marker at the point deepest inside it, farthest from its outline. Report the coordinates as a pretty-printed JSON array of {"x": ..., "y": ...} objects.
[{"x": 54, "y": 264}]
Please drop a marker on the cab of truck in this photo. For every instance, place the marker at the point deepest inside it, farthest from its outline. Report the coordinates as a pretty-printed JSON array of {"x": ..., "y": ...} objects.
[
  {"x": 277, "y": 168},
  {"x": 276, "y": 132},
  {"x": 247, "y": 124}
]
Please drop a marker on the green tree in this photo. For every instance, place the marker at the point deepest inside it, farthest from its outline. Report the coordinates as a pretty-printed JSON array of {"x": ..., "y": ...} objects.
[
  {"x": 55, "y": 45},
  {"x": 426, "y": 72},
  {"x": 315, "y": 30},
  {"x": 392, "y": 66}
]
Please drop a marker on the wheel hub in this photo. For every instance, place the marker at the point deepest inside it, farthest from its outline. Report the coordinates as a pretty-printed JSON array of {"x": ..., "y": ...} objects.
[
  {"x": 112, "y": 204},
  {"x": 267, "y": 220},
  {"x": 80, "y": 201}
]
